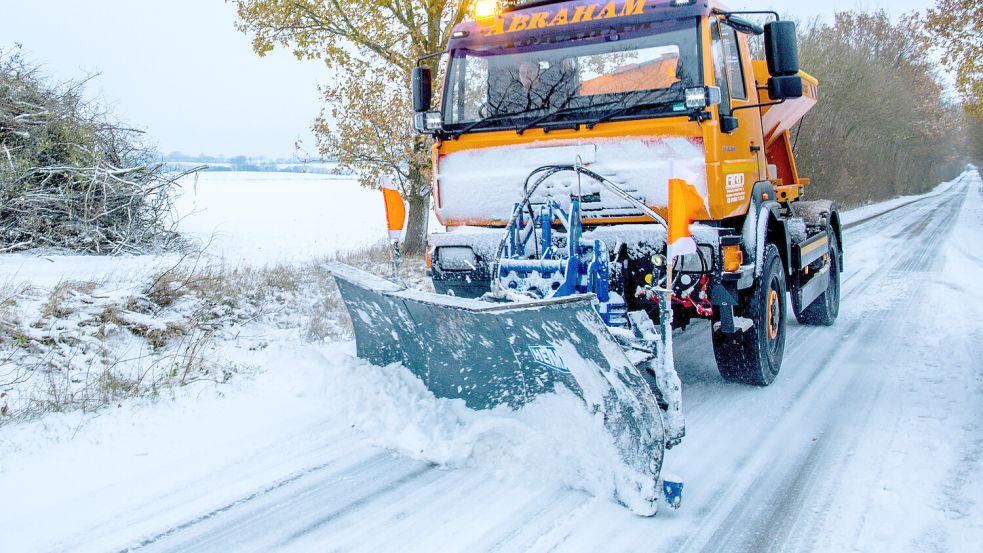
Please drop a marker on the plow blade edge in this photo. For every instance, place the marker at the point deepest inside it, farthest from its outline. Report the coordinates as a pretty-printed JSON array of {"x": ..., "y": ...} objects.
[{"x": 491, "y": 354}]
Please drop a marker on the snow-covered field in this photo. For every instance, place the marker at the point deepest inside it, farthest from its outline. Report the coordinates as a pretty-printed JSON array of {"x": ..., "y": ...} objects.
[
  {"x": 870, "y": 439},
  {"x": 252, "y": 218},
  {"x": 270, "y": 217}
]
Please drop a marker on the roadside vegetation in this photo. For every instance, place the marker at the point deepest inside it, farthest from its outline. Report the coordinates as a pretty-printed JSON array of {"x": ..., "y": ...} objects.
[
  {"x": 89, "y": 345},
  {"x": 884, "y": 125},
  {"x": 73, "y": 180}
]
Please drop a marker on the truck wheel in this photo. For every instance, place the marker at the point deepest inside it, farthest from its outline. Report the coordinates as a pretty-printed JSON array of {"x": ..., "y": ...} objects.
[
  {"x": 755, "y": 356},
  {"x": 826, "y": 308}
]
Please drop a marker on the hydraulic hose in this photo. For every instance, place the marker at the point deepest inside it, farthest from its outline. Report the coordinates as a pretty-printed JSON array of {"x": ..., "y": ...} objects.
[{"x": 547, "y": 172}]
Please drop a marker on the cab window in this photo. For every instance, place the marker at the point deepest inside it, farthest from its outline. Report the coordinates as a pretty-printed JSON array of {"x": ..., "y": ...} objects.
[
  {"x": 720, "y": 68},
  {"x": 732, "y": 60}
]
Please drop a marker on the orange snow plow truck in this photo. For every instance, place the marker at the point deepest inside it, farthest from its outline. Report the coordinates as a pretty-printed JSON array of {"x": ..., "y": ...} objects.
[
  {"x": 633, "y": 90},
  {"x": 608, "y": 172}
]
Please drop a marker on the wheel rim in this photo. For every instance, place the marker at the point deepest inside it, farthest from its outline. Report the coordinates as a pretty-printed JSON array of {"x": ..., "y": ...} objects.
[{"x": 774, "y": 314}]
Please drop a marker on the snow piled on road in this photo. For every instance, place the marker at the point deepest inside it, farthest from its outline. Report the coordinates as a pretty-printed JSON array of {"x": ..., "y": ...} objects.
[{"x": 140, "y": 453}]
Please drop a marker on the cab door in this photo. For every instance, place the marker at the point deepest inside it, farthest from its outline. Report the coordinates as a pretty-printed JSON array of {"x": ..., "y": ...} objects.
[{"x": 741, "y": 149}]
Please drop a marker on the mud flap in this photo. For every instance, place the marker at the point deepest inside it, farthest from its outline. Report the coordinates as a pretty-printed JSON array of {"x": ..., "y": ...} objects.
[{"x": 490, "y": 354}]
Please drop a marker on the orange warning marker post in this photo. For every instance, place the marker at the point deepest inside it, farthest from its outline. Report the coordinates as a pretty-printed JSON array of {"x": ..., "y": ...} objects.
[
  {"x": 685, "y": 203},
  {"x": 395, "y": 209},
  {"x": 395, "y": 217}
]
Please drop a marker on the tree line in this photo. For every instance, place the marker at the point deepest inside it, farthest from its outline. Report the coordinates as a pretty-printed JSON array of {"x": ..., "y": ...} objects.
[{"x": 885, "y": 124}]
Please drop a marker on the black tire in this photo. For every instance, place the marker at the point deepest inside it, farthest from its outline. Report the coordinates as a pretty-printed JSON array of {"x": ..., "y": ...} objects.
[
  {"x": 755, "y": 356},
  {"x": 826, "y": 308}
]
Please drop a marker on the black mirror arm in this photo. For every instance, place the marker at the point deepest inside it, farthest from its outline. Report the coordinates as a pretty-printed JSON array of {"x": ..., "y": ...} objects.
[
  {"x": 419, "y": 61},
  {"x": 752, "y": 12},
  {"x": 769, "y": 104}
]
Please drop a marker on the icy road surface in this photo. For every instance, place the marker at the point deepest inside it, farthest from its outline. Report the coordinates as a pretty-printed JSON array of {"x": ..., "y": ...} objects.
[{"x": 870, "y": 440}]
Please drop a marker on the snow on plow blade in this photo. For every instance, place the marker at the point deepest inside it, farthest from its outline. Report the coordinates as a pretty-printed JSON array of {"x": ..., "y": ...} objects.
[{"x": 491, "y": 354}]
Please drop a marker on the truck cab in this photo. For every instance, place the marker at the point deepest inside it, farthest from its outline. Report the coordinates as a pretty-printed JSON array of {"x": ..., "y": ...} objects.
[{"x": 641, "y": 92}]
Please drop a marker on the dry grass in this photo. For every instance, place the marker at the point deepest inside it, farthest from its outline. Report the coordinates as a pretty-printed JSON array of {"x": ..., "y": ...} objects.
[
  {"x": 57, "y": 305},
  {"x": 85, "y": 345},
  {"x": 9, "y": 320}
]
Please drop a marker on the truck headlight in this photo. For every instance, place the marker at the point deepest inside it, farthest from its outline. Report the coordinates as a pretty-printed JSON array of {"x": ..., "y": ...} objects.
[
  {"x": 456, "y": 258},
  {"x": 427, "y": 121},
  {"x": 703, "y": 97}
]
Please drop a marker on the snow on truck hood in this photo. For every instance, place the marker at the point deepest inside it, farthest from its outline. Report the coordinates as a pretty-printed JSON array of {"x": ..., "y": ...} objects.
[{"x": 481, "y": 186}]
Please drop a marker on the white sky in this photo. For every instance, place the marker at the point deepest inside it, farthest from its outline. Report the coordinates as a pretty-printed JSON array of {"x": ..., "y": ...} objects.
[{"x": 179, "y": 69}]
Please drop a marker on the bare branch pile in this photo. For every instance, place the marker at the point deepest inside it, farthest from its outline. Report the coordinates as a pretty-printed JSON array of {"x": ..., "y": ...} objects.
[{"x": 71, "y": 177}]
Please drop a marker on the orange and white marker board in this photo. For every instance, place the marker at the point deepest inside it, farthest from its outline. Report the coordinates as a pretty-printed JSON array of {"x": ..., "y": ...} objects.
[
  {"x": 685, "y": 202},
  {"x": 395, "y": 209}
]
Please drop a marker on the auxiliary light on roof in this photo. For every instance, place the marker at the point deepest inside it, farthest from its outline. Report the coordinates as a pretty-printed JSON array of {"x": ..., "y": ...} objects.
[{"x": 483, "y": 9}]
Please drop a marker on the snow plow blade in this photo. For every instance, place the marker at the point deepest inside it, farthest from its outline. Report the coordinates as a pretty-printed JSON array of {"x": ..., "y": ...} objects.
[{"x": 493, "y": 354}]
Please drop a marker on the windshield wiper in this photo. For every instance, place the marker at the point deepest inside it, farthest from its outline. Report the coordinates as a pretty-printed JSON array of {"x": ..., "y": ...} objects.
[
  {"x": 562, "y": 111},
  {"x": 475, "y": 124},
  {"x": 663, "y": 100}
]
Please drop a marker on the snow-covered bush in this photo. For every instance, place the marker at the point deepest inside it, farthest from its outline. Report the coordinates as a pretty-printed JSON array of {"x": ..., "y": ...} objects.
[{"x": 71, "y": 177}]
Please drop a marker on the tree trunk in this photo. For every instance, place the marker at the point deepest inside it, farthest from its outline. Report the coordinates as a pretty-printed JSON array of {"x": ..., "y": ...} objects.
[
  {"x": 416, "y": 227},
  {"x": 417, "y": 196}
]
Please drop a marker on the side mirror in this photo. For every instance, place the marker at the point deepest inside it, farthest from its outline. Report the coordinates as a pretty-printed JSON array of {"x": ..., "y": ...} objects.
[
  {"x": 782, "y": 52},
  {"x": 781, "y": 48},
  {"x": 784, "y": 88},
  {"x": 729, "y": 124},
  {"x": 422, "y": 89}
]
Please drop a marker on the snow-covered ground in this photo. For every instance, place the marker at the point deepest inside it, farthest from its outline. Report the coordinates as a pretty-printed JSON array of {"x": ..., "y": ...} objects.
[
  {"x": 870, "y": 439},
  {"x": 270, "y": 217}
]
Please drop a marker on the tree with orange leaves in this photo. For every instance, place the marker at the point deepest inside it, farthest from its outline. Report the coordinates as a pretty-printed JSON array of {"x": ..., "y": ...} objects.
[
  {"x": 370, "y": 47},
  {"x": 953, "y": 26}
]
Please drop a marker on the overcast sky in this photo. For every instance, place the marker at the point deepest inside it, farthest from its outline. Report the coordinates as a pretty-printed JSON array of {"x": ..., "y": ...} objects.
[{"x": 179, "y": 69}]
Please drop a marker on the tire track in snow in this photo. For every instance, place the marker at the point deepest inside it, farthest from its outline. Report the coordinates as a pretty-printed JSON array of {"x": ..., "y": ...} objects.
[
  {"x": 280, "y": 507},
  {"x": 772, "y": 513},
  {"x": 375, "y": 492},
  {"x": 312, "y": 453},
  {"x": 780, "y": 511},
  {"x": 806, "y": 370}
]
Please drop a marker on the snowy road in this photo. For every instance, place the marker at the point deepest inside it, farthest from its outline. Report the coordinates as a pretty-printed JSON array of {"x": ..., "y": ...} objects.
[{"x": 871, "y": 439}]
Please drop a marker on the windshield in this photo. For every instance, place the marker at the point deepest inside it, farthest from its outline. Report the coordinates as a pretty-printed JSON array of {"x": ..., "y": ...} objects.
[{"x": 568, "y": 80}]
